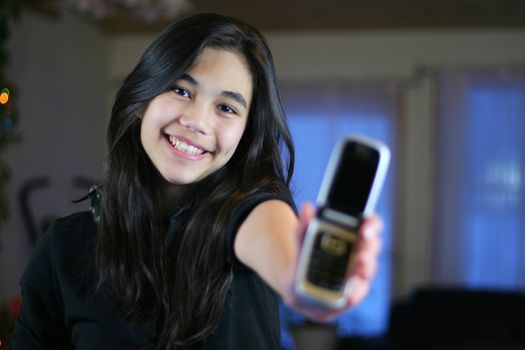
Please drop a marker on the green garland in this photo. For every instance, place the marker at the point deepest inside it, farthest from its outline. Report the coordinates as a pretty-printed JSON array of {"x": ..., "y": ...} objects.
[{"x": 9, "y": 11}]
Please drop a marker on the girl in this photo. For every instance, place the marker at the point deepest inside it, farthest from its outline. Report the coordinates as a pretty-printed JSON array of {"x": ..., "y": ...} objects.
[{"x": 193, "y": 235}]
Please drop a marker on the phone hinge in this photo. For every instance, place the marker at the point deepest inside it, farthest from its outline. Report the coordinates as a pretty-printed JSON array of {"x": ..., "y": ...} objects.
[{"x": 340, "y": 218}]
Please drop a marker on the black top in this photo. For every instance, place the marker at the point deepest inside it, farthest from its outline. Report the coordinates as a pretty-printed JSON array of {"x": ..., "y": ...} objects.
[{"x": 60, "y": 311}]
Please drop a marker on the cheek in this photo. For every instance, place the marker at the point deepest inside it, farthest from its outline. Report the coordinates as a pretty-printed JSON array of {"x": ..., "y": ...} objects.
[
  {"x": 233, "y": 137},
  {"x": 149, "y": 135},
  {"x": 150, "y": 125},
  {"x": 145, "y": 132}
]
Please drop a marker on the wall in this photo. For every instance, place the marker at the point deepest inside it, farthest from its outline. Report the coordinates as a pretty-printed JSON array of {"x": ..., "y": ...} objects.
[{"x": 59, "y": 65}]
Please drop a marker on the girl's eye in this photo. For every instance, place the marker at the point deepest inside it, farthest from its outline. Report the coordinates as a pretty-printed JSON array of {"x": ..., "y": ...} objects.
[
  {"x": 181, "y": 91},
  {"x": 226, "y": 109}
]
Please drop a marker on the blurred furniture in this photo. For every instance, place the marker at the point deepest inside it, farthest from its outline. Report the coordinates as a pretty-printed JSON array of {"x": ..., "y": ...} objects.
[
  {"x": 454, "y": 318},
  {"x": 451, "y": 319}
]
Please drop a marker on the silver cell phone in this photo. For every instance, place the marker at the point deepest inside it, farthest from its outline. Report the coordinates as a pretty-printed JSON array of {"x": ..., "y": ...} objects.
[{"x": 348, "y": 194}]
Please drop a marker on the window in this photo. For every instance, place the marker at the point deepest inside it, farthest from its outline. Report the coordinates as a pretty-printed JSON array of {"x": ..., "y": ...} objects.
[{"x": 481, "y": 192}]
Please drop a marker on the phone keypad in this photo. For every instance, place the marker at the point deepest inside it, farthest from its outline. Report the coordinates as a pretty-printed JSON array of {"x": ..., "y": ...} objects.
[{"x": 329, "y": 261}]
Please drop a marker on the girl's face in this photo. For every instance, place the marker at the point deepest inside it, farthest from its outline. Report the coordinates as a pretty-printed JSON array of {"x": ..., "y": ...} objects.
[{"x": 193, "y": 130}]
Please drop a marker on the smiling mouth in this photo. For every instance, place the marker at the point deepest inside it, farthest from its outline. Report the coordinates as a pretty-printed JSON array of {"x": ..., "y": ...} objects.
[{"x": 184, "y": 147}]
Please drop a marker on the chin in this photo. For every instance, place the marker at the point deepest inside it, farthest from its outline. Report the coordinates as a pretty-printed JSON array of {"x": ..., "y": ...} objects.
[{"x": 181, "y": 180}]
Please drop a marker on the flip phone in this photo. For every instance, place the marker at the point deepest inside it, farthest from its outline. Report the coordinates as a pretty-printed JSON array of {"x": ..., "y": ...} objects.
[{"x": 349, "y": 191}]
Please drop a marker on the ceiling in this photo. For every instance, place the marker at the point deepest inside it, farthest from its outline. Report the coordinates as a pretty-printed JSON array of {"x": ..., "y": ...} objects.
[{"x": 338, "y": 14}]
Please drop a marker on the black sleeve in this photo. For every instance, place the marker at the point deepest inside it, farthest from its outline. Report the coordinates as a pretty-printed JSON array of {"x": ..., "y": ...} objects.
[
  {"x": 238, "y": 217},
  {"x": 40, "y": 324}
]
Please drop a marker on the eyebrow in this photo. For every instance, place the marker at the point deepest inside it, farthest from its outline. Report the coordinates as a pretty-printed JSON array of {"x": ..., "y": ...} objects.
[{"x": 229, "y": 94}]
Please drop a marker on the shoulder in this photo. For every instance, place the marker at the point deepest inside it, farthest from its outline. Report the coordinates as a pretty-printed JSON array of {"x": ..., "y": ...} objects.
[
  {"x": 65, "y": 243},
  {"x": 253, "y": 200},
  {"x": 71, "y": 228},
  {"x": 266, "y": 200},
  {"x": 80, "y": 222},
  {"x": 74, "y": 221},
  {"x": 246, "y": 208},
  {"x": 270, "y": 216},
  {"x": 53, "y": 276},
  {"x": 71, "y": 231}
]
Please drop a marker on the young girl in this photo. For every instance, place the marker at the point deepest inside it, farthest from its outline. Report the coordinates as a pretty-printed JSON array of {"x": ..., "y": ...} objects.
[{"x": 192, "y": 238}]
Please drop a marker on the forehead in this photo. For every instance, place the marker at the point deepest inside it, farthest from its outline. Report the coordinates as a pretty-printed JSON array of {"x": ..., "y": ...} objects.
[
  {"x": 210, "y": 56},
  {"x": 222, "y": 69}
]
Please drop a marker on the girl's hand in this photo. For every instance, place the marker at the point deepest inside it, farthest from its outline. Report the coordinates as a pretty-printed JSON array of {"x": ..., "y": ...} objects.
[{"x": 360, "y": 278}]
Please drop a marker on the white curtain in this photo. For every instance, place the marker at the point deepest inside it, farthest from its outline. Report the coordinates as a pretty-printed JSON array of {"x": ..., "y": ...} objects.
[
  {"x": 480, "y": 211},
  {"x": 319, "y": 114}
]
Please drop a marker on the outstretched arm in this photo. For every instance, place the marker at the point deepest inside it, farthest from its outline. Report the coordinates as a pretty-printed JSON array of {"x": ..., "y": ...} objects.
[{"x": 269, "y": 242}]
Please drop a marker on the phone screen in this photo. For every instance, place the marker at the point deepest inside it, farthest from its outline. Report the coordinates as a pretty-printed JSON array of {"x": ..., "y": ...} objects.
[{"x": 353, "y": 179}]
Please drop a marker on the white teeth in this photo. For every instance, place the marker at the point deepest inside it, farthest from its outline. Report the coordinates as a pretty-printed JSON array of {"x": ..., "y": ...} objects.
[{"x": 181, "y": 146}]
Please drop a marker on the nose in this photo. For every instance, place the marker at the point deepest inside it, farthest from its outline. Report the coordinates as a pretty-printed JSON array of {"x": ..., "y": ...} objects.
[{"x": 195, "y": 118}]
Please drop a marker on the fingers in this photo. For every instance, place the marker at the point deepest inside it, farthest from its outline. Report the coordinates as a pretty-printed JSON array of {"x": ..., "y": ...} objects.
[
  {"x": 371, "y": 227},
  {"x": 306, "y": 214},
  {"x": 359, "y": 288},
  {"x": 369, "y": 248},
  {"x": 364, "y": 268},
  {"x": 366, "y": 260}
]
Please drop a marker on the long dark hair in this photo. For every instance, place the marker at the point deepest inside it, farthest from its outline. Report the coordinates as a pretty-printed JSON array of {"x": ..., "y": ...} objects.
[{"x": 178, "y": 287}]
